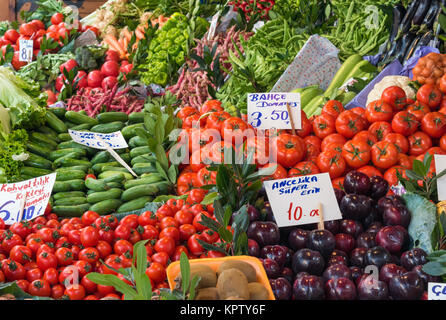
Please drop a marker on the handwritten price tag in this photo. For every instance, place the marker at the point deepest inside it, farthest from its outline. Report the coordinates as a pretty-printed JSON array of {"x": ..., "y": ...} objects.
[
  {"x": 102, "y": 141},
  {"x": 436, "y": 291},
  {"x": 31, "y": 194},
  {"x": 269, "y": 110},
  {"x": 295, "y": 200},
  {"x": 26, "y": 50}
]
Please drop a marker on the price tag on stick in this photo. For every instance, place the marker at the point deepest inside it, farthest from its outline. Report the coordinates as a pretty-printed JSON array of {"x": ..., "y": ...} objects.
[
  {"x": 26, "y": 50},
  {"x": 301, "y": 200},
  {"x": 279, "y": 110},
  {"x": 119, "y": 159},
  {"x": 114, "y": 140}
]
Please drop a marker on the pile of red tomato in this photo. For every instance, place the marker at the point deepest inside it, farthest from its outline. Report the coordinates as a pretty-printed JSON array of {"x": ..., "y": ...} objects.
[
  {"x": 39, "y": 254},
  {"x": 379, "y": 140},
  {"x": 35, "y": 30}
]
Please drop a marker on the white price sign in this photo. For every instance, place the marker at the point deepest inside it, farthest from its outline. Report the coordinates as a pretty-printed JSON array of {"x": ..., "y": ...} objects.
[
  {"x": 31, "y": 195},
  {"x": 58, "y": 104},
  {"x": 440, "y": 165},
  {"x": 269, "y": 110},
  {"x": 436, "y": 291},
  {"x": 295, "y": 201},
  {"x": 102, "y": 141},
  {"x": 26, "y": 50}
]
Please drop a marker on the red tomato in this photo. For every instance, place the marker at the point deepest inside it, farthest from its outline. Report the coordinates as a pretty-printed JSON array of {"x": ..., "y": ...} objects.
[
  {"x": 165, "y": 244},
  {"x": 419, "y": 143},
  {"x": 81, "y": 78},
  {"x": 379, "y": 111},
  {"x": 349, "y": 123},
  {"x": 234, "y": 130},
  {"x": 68, "y": 65},
  {"x": 40, "y": 288},
  {"x": 75, "y": 292},
  {"x": 289, "y": 149},
  {"x": 89, "y": 236},
  {"x": 104, "y": 248},
  {"x": 395, "y": 97},
  {"x": 46, "y": 260},
  {"x": 90, "y": 255},
  {"x": 12, "y": 35},
  {"x": 380, "y": 129},
  {"x": 391, "y": 175},
  {"x": 130, "y": 220},
  {"x": 110, "y": 69},
  {"x": 109, "y": 82},
  {"x": 21, "y": 254},
  {"x": 303, "y": 168},
  {"x": 57, "y": 18},
  {"x": 111, "y": 55},
  {"x": 335, "y": 137},
  {"x": 418, "y": 110},
  {"x": 64, "y": 256},
  {"x": 27, "y": 29},
  {"x": 94, "y": 79},
  {"x": 38, "y": 24},
  {"x": 400, "y": 141},
  {"x": 324, "y": 125},
  {"x": 356, "y": 153},
  {"x": 434, "y": 124},
  {"x": 429, "y": 95},
  {"x": 148, "y": 218},
  {"x": 331, "y": 162},
  {"x": 279, "y": 173},
  {"x": 194, "y": 246},
  {"x": 404, "y": 123},
  {"x": 333, "y": 108},
  {"x": 370, "y": 171},
  {"x": 384, "y": 154}
]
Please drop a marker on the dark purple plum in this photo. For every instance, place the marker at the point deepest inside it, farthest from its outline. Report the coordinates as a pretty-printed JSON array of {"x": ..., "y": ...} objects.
[
  {"x": 370, "y": 288},
  {"x": 288, "y": 274},
  {"x": 309, "y": 261},
  {"x": 351, "y": 227},
  {"x": 272, "y": 268},
  {"x": 426, "y": 277},
  {"x": 358, "y": 257},
  {"x": 413, "y": 258},
  {"x": 366, "y": 240},
  {"x": 267, "y": 212},
  {"x": 378, "y": 187},
  {"x": 337, "y": 271},
  {"x": 322, "y": 241},
  {"x": 391, "y": 238},
  {"x": 308, "y": 287},
  {"x": 390, "y": 270},
  {"x": 276, "y": 253},
  {"x": 289, "y": 256},
  {"x": 345, "y": 242},
  {"x": 340, "y": 289},
  {"x": 373, "y": 216},
  {"x": 337, "y": 256},
  {"x": 357, "y": 182},
  {"x": 332, "y": 226},
  {"x": 297, "y": 238},
  {"x": 396, "y": 216},
  {"x": 356, "y": 206},
  {"x": 253, "y": 213},
  {"x": 356, "y": 272},
  {"x": 408, "y": 286},
  {"x": 281, "y": 288},
  {"x": 378, "y": 256},
  {"x": 264, "y": 232},
  {"x": 374, "y": 227},
  {"x": 339, "y": 194},
  {"x": 253, "y": 248},
  {"x": 301, "y": 274}
]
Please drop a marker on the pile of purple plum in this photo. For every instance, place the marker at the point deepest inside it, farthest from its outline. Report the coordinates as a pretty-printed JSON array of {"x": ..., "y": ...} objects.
[{"x": 364, "y": 256}]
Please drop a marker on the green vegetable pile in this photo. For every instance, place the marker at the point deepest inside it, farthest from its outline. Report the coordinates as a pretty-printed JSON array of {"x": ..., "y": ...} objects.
[
  {"x": 45, "y": 69},
  {"x": 90, "y": 57},
  {"x": 13, "y": 147},
  {"x": 168, "y": 49}
]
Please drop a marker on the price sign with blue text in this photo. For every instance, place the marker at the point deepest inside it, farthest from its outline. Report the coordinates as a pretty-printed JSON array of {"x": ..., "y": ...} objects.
[
  {"x": 436, "y": 291},
  {"x": 26, "y": 50},
  {"x": 32, "y": 195},
  {"x": 295, "y": 201},
  {"x": 270, "y": 111},
  {"x": 114, "y": 140}
]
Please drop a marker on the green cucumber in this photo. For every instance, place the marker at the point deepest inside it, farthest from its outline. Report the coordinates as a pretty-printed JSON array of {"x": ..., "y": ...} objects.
[
  {"x": 73, "y": 144},
  {"x": 34, "y": 172},
  {"x": 63, "y": 152},
  {"x": 38, "y": 162},
  {"x": 113, "y": 168},
  {"x": 140, "y": 191},
  {"x": 108, "y": 127},
  {"x": 145, "y": 158},
  {"x": 41, "y": 137},
  {"x": 141, "y": 168},
  {"x": 81, "y": 168},
  {"x": 79, "y": 118},
  {"x": 70, "y": 201},
  {"x": 42, "y": 144},
  {"x": 76, "y": 184},
  {"x": 137, "y": 141},
  {"x": 108, "y": 174},
  {"x": 71, "y": 211},
  {"x": 68, "y": 194},
  {"x": 96, "y": 185},
  {"x": 54, "y": 122},
  {"x": 81, "y": 127},
  {"x": 126, "y": 157},
  {"x": 113, "y": 193},
  {"x": 129, "y": 131},
  {"x": 106, "y": 206},
  {"x": 134, "y": 204},
  {"x": 107, "y": 117},
  {"x": 59, "y": 112},
  {"x": 136, "y": 117},
  {"x": 69, "y": 174},
  {"x": 38, "y": 149},
  {"x": 99, "y": 167},
  {"x": 139, "y": 151},
  {"x": 64, "y": 137},
  {"x": 49, "y": 131},
  {"x": 90, "y": 192},
  {"x": 152, "y": 178},
  {"x": 61, "y": 186},
  {"x": 116, "y": 177},
  {"x": 115, "y": 184},
  {"x": 70, "y": 124},
  {"x": 101, "y": 157},
  {"x": 71, "y": 155}
]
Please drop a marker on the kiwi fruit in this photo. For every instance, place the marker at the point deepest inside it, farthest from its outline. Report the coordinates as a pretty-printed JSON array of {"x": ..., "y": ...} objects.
[
  {"x": 207, "y": 275},
  {"x": 257, "y": 291},
  {"x": 232, "y": 283},
  {"x": 247, "y": 269},
  {"x": 207, "y": 294}
]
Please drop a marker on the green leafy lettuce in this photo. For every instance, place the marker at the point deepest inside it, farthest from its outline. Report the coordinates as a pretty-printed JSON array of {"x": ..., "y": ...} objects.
[{"x": 13, "y": 147}]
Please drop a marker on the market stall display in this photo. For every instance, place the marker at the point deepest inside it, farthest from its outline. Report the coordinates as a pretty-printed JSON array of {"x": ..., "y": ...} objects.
[{"x": 139, "y": 116}]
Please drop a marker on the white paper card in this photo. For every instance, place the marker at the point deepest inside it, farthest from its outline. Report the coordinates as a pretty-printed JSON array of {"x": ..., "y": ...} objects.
[
  {"x": 36, "y": 191},
  {"x": 58, "y": 104},
  {"x": 295, "y": 201},
  {"x": 114, "y": 140},
  {"x": 436, "y": 291},
  {"x": 440, "y": 165},
  {"x": 269, "y": 110},
  {"x": 26, "y": 50}
]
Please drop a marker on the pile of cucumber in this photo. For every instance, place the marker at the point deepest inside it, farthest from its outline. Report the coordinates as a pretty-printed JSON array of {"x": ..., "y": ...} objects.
[{"x": 114, "y": 189}]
